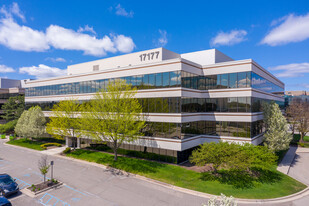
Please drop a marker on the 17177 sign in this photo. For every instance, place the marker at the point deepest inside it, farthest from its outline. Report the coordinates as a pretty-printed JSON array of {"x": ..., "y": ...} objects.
[{"x": 149, "y": 56}]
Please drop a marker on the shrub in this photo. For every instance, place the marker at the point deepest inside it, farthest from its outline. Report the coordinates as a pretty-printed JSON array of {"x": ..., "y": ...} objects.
[
  {"x": 233, "y": 156},
  {"x": 8, "y": 127},
  {"x": 12, "y": 138},
  {"x": 44, "y": 146},
  {"x": 3, "y": 136},
  {"x": 67, "y": 150}
]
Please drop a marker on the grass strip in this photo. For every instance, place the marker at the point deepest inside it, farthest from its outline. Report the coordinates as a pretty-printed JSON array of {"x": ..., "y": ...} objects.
[{"x": 280, "y": 186}]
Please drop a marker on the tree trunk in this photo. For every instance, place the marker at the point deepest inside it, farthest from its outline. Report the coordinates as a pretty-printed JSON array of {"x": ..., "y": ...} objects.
[
  {"x": 115, "y": 150},
  {"x": 115, "y": 154},
  {"x": 301, "y": 137}
]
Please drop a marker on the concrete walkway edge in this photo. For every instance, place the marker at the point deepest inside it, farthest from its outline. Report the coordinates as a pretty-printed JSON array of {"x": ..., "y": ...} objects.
[{"x": 287, "y": 160}]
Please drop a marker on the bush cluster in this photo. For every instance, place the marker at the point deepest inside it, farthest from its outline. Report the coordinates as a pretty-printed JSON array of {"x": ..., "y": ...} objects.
[
  {"x": 44, "y": 146},
  {"x": 67, "y": 150},
  {"x": 8, "y": 127},
  {"x": 233, "y": 156}
]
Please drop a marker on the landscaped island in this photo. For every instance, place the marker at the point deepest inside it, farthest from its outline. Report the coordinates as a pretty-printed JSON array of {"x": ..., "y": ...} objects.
[{"x": 264, "y": 188}]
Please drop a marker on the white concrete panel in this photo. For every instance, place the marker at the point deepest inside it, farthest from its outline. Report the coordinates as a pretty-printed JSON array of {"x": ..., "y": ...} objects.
[{"x": 133, "y": 59}]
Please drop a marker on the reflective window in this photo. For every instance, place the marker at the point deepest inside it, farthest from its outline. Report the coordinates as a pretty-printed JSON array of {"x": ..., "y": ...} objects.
[
  {"x": 166, "y": 79},
  {"x": 242, "y": 79},
  {"x": 233, "y": 80}
]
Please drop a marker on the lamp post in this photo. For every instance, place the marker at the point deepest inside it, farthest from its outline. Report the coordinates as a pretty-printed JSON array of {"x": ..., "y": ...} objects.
[{"x": 52, "y": 166}]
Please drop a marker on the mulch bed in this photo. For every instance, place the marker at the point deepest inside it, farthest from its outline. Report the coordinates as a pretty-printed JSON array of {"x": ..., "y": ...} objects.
[
  {"x": 190, "y": 166},
  {"x": 43, "y": 185}
]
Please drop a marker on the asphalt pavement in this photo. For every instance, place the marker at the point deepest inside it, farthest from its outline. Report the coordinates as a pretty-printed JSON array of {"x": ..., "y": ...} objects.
[{"x": 85, "y": 184}]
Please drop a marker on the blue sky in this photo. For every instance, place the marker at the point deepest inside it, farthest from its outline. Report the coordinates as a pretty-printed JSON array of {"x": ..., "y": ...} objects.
[{"x": 38, "y": 39}]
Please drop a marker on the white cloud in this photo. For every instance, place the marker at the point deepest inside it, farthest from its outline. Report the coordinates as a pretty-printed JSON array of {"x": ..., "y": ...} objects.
[
  {"x": 229, "y": 38},
  {"x": 57, "y": 59},
  {"x": 291, "y": 70},
  {"x": 67, "y": 39},
  {"x": 13, "y": 10},
  {"x": 24, "y": 38},
  {"x": 87, "y": 28},
  {"x": 6, "y": 69},
  {"x": 21, "y": 38},
  {"x": 292, "y": 29},
  {"x": 162, "y": 41},
  {"x": 120, "y": 11},
  {"x": 123, "y": 43},
  {"x": 42, "y": 71}
]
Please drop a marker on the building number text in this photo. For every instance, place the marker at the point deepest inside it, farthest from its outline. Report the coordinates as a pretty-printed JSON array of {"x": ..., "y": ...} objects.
[{"x": 149, "y": 56}]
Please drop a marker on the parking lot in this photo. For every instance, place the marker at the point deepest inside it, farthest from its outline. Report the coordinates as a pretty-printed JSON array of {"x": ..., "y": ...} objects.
[
  {"x": 64, "y": 195},
  {"x": 84, "y": 184}
]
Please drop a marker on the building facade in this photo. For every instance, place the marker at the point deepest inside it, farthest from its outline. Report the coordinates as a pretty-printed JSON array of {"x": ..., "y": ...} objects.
[
  {"x": 188, "y": 98},
  {"x": 9, "y": 88}
]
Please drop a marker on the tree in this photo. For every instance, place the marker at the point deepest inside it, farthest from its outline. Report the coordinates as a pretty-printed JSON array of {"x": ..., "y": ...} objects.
[
  {"x": 21, "y": 126},
  {"x": 31, "y": 123},
  {"x": 43, "y": 166},
  {"x": 114, "y": 116},
  {"x": 298, "y": 114},
  {"x": 276, "y": 136},
  {"x": 13, "y": 108},
  {"x": 233, "y": 156},
  {"x": 292, "y": 113},
  {"x": 64, "y": 120}
]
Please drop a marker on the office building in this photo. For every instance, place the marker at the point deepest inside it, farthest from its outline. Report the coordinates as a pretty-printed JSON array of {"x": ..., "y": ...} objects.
[{"x": 188, "y": 98}]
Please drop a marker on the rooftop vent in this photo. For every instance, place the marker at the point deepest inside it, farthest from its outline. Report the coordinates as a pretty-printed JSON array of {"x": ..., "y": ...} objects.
[{"x": 95, "y": 67}]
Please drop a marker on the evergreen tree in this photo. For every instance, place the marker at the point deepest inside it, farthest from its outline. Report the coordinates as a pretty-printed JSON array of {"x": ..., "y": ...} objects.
[
  {"x": 13, "y": 108},
  {"x": 276, "y": 136}
]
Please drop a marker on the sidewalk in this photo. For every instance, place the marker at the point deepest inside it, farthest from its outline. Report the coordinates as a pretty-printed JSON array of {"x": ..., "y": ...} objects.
[
  {"x": 287, "y": 160},
  {"x": 54, "y": 151}
]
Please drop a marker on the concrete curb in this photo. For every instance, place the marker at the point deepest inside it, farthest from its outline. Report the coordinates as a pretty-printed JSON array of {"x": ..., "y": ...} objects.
[
  {"x": 288, "y": 198},
  {"x": 20, "y": 147}
]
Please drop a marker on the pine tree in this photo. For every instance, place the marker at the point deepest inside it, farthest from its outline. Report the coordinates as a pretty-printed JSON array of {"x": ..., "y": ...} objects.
[{"x": 276, "y": 137}]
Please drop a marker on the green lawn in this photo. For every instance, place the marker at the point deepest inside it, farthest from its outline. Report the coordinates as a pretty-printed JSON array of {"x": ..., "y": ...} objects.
[
  {"x": 35, "y": 143},
  {"x": 273, "y": 184}
]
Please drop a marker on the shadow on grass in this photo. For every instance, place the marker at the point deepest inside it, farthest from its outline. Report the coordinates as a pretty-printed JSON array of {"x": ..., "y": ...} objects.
[
  {"x": 243, "y": 179},
  {"x": 132, "y": 165}
]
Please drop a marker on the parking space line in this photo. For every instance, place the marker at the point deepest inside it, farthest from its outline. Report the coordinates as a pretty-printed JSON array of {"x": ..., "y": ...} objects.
[
  {"x": 45, "y": 203},
  {"x": 22, "y": 184},
  {"x": 75, "y": 190}
]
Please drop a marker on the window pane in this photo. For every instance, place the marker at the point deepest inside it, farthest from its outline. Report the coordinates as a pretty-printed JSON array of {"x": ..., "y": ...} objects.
[
  {"x": 233, "y": 129},
  {"x": 224, "y": 80},
  {"x": 139, "y": 81},
  {"x": 242, "y": 79},
  {"x": 158, "y": 80},
  {"x": 225, "y": 129},
  {"x": 233, "y": 80},
  {"x": 166, "y": 79},
  {"x": 242, "y": 104},
  {"x": 232, "y": 104},
  {"x": 249, "y": 79},
  {"x": 151, "y": 81},
  {"x": 175, "y": 79},
  {"x": 145, "y": 82}
]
